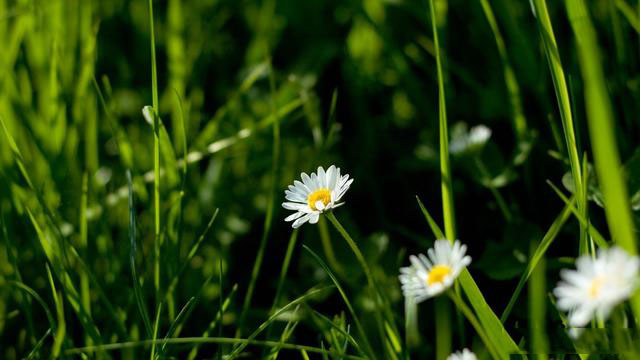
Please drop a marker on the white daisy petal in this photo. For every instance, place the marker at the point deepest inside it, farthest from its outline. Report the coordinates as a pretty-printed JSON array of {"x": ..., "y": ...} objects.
[
  {"x": 314, "y": 218},
  {"x": 296, "y": 224},
  {"x": 465, "y": 354},
  {"x": 596, "y": 286},
  {"x": 294, "y": 216},
  {"x": 315, "y": 194}
]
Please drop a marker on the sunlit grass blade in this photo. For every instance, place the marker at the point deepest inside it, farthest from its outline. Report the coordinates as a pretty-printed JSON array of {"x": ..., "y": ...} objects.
[
  {"x": 601, "y": 130},
  {"x": 356, "y": 320},
  {"x": 156, "y": 155}
]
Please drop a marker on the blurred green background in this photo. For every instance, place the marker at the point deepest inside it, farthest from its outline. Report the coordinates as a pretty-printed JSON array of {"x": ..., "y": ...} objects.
[{"x": 351, "y": 83}]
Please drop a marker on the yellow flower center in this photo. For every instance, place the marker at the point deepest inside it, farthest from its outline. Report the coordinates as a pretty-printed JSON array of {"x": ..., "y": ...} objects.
[
  {"x": 437, "y": 274},
  {"x": 596, "y": 284},
  {"x": 320, "y": 194}
]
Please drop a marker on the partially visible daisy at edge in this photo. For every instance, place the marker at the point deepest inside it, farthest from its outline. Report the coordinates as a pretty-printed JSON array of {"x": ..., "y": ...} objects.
[
  {"x": 465, "y": 354},
  {"x": 317, "y": 193},
  {"x": 596, "y": 286},
  {"x": 430, "y": 276}
]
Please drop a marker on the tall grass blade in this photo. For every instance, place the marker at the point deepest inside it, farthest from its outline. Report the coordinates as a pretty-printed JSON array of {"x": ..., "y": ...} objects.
[
  {"x": 564, "y": 104},
  {"x": 601, "y": 130}
]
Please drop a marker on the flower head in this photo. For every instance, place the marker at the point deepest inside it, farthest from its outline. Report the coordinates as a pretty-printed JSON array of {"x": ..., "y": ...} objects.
[
  {"x": 465, "y": 354},
  {"x": 596, "y": 286},
  {"x": 463, "y": 140},
  {"x": 316, "y": 194},
  {"x": 429, "y": 276}
]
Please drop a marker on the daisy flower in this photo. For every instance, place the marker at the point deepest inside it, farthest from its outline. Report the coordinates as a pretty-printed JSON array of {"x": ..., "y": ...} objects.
[
  {"x": 465, "y": 354},
  {"x": 429, "y": 276},
  {"x": 316, "y": 194},
  {"x": 596, "y": 286},
  {"x": 463, "y": 140}
]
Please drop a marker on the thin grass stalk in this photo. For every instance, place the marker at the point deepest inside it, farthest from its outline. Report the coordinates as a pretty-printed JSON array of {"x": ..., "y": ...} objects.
[{"x": 519, "y": 120}]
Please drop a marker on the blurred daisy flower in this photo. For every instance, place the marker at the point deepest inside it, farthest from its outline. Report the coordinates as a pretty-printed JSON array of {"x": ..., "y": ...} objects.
[
  {"x": 316, "y": 194},
  {"x": 596, "y": 286},
  {"x": 463, "y": 140},
  {"x": 429, "y": 276},
  {"x": 465, "y": 354}
]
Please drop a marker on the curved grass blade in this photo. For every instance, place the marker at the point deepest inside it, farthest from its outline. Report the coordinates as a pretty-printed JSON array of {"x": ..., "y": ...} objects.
[
  {"x": 264, "y": 325},
  {"x": 208, "y": 340}
]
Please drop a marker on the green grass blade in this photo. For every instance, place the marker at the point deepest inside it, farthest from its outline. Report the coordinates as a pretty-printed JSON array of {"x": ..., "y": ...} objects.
[
  {"x": 156, "y": 153},
  {"x": 537, "y": 308},
  {"x": 595, "y": 234},
  {"x": 36, "y": 348},
  {"x": 137, "y": 290},
  {"x": 564, "y": 103},
  {"x": 519, "y": 120},
  {"x": 155, "y": 332},
  {"x": 359, "y": 326},
  {"x": 629, "y": 13},
  {"x": 273, "y": 317},
  {"x": 601, "y": 130},
  {"x": 209, "y": 340},
  {"x": 445, "y": 167},
  {"x": 537, "y": 256},
  {"x": 437, "y": 232},
  {"x": 59, "y": 335}
]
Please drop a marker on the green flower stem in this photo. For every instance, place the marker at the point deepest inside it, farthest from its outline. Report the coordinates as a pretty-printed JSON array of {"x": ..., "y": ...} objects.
[
  {"x": 354, "y": 247},
  {"x": 474, "y": 322},
  {"x": 363, "y": 263}
]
